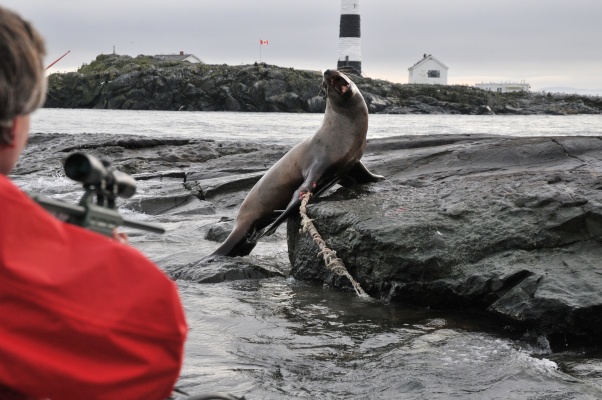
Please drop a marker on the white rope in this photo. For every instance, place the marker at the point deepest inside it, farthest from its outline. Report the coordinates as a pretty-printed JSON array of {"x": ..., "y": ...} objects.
[{"x": 334, "y": 264}]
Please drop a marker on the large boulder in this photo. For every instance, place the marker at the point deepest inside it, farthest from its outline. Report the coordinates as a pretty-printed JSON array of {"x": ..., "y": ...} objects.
[{"x": 507, "y": 226}]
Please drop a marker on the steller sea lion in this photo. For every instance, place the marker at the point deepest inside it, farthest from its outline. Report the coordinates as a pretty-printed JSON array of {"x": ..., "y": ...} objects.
[{"x": 332, "y": 155}]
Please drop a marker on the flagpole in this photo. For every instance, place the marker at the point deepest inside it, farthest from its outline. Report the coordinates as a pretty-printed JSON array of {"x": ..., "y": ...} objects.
[{"x": 261, "y": 43}]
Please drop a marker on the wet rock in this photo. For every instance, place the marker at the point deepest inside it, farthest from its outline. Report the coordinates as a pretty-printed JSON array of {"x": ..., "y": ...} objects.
[
  {"x": 232, "y": 269},
  {"x": 159, "y": 204},
  {"x": 228, "y": 184},
  {"x": 219, "y": 232},
  {"x": 507, "y": 226}
]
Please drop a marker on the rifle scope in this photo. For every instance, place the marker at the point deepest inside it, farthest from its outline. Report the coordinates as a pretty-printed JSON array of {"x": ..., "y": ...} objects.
[{"x": 89, "y": 170}]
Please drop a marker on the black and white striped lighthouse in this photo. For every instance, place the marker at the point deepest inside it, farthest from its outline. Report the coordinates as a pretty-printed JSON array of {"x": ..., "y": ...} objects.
[{"x": 350, "y": 54}]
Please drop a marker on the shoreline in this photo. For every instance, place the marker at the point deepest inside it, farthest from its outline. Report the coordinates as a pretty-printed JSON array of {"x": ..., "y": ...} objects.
[{"x": 123, "y": 82}]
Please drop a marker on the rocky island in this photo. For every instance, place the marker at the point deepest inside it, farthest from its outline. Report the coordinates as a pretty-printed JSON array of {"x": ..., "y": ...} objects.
[
  {"x": 147, "y": 83},
  {"x": 501, "y": 227}
]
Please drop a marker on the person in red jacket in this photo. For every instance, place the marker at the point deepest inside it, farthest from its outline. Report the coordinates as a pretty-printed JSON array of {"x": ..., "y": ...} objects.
[{"x": 82, "y": 316}]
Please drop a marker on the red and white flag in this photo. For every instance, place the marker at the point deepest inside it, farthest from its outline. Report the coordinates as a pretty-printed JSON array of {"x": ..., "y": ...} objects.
[{"x": 262, "y": 42}]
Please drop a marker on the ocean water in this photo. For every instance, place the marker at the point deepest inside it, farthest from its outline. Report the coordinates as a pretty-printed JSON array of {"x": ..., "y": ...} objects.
[
  {"x": 284, "y": 339},
  {"x": 291, "y": 128}
]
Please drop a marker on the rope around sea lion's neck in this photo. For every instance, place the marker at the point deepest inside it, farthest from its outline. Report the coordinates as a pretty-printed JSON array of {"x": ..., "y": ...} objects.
[{"x": 334, "y": 264}]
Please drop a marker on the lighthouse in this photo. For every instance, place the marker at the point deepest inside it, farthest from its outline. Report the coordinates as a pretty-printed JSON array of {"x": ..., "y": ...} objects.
[{"x": 350, "y": 54}]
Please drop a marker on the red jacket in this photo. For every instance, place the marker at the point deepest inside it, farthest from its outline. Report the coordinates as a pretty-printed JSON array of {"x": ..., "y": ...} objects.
[{"x": 82, "y": 316}]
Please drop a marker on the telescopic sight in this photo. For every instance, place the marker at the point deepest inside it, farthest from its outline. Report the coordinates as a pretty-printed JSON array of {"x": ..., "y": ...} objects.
[
  {"x": 89, "y": 170},
  {"x": 85, "y": 168}
]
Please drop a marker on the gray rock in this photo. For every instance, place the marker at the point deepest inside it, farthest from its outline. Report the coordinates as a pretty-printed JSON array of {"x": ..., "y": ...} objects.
[
  {"x": 484, "y": 110},
  {"x": 229, "y": 270},
  {"x": 228, "y": 184},
  {"x": 315, "y": 104},
  {"x": 507, "y": 226},
  {"x": 219, "y": 232},
  {"x": 375, "y": 102}
]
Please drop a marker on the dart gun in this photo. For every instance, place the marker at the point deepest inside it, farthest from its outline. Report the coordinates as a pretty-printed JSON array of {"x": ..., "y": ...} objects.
[{"x": 103, "y": 185}]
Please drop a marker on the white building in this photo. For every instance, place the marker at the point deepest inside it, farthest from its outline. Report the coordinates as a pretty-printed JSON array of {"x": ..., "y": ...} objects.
[
  {"x": 191, "y": 58},
  {"x": 504, "y": 87},
  {"x": 428, "y": 70}
]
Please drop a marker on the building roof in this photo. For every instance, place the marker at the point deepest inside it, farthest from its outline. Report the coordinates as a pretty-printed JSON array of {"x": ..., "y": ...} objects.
[
  {"x": 177, "y": 57},
  {"x": 425, "y": 58}
]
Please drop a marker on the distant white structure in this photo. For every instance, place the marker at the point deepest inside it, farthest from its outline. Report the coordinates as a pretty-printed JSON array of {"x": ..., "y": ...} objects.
[
  {"x": 504, "y": 87},
  {"x": 350, "y": 53},
  {"x": 191, "y": 58},
  {"x": 428, "y": 70}
]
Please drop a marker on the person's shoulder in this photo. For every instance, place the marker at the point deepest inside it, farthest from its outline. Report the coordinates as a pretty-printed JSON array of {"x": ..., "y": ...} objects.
[
  {"x": 7, "y": 186},
  {"x": 88, "y": 245},
  {"x": 11, "y": 193}
]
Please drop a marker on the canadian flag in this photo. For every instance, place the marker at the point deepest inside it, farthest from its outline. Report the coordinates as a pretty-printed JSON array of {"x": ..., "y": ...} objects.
[{"x": 261, "y": 42}]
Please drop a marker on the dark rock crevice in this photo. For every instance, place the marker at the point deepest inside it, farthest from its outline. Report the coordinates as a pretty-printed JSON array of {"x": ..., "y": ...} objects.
[{"x": 565, "y": 150}]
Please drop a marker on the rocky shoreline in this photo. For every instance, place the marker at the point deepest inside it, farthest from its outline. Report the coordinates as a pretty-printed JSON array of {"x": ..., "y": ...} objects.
[
  {"x": 505, "y": 227},
  {"x": 144, "y": 83},
  {"x": 511, "y": 227}
]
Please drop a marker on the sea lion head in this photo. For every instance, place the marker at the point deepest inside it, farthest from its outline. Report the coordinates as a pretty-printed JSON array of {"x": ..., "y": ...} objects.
[
  {"x": 337, "y": 83},
  {"x": 340, "y": 89}
]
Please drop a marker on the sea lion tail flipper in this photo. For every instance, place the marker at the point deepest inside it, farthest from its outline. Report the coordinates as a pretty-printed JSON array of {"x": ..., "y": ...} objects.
[
  {"x": 235, "y": 245},
  {"x": 359, "y": 174},
  {"x": 242, "y": 248}
]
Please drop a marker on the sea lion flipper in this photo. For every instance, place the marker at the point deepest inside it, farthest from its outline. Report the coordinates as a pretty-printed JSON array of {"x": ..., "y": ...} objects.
[
  {"x": 295, "y": 203},
  {"x": 292, "y": 207},
  {"x": 359, "y": 174},
  {"x": 240, "y": 242}
]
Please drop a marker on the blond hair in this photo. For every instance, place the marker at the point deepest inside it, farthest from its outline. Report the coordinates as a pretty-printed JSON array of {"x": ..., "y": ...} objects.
[{"x": 22, "y": 80}]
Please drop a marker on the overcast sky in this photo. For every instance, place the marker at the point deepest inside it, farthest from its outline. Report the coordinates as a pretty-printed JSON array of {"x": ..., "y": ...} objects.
[{"x": 547, "y": 43}]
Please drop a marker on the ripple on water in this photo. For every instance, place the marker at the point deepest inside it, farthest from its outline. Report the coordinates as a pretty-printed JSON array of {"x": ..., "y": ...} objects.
[{"x": 278, "y": 338}]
